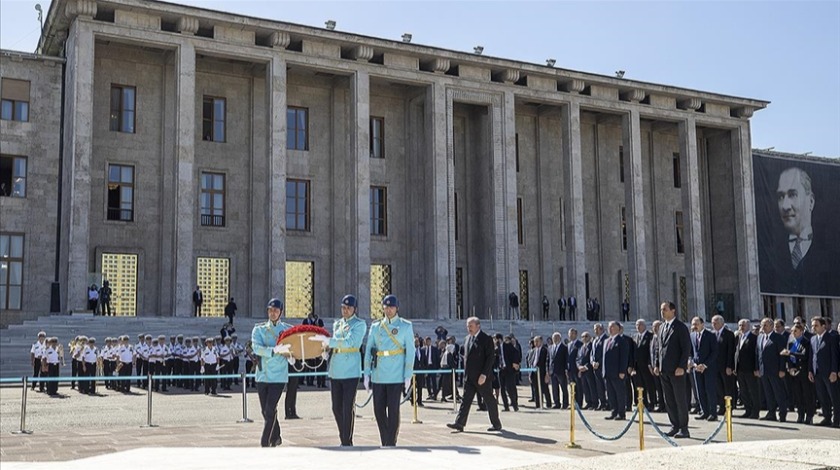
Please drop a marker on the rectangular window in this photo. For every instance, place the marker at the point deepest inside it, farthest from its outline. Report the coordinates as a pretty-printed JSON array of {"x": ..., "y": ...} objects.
[
  {"x": 12, "y": 176},
  {"x": 14, "y": 100},
  {"x": 378, "y": 210},
  {"x": 678, "y": 223},
  {"x": 11, "y": 270},
  {"x": 516, "y": 141},
  {"x": 122, "y": 108},
  {"x": 380, "y": 286},
  {"x": 121, "y": 192},
  {"x": 562, "y": 224},
  {"x": 212, "y": 200},
  {"x": 623, "y": 229},
  {"x": 621, "y": 163},
  {"x": 520, "y": 230},
  {"x": 297, "y": 205},
  {"x": 377, "y": 137},
  {"x": 677, "y": 173},
  {"x": 213, "y": 119},
  {"x": 297, "y": 128}
]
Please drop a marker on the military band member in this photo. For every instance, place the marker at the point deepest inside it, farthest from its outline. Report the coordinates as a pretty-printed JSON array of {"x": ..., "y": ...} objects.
[
  {"x": 178, "y": 359},
  {"x": 272, "y": 369},
  {"x": 126, "y": 361},
  {"x": 170, "y": 360},
  {"x": 52, "y": 359},
  {"x": 226, "y": 361},
  {"x": 251, "y": 361},
  {"x": 345, "y": 366},
  {"x": 141, "y": 363},
  {"x": 75, "y": 350},
  {"x": 389, "y": 365},
  {"x": 190, "y": 356},
  {"x": 90, "y": 354},
  {"x": 236, "y": 348},
  {"x": 158, "y": 355},
  {"x": 36, "y": 354},
  {"x": 195, "y": 362},
  {"x": 209, "y": 358}
]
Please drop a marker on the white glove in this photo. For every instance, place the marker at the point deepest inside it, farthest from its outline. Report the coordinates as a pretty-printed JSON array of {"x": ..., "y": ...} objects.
[
  {"x": 367, "y": 382},
  {"x": 407, "y": 384},
  {"x": 291, "y": 359},
  {"x": 325, "y": 355},
  {"x": 282, "y": 348},
  {"x": 320, "y": 338}
]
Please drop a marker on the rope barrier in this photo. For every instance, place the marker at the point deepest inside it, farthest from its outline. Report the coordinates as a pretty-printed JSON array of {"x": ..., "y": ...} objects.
[
  {"x": 370, "y": 395},
  {"x": 630, "y": 423},
  {"x": 720, "y": 426},
  {"x": 659, "y": 431}
]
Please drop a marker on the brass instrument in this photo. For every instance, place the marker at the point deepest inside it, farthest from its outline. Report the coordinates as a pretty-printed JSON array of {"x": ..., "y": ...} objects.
[{"x": 61, "y": 354}]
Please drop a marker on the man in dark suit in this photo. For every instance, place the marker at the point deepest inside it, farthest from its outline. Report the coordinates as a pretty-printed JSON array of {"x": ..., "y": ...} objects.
[
  {"x": 614, "y": 371},
  {"x": 641, "y": 365},
  {"x": 572, "y": 307},
  {"x": 479, "y": 356},
  {"x": 725, "y": 362},
  {"x": 770, "y": 369},
  {"x": 745, "y": 360},
  {"x": 432, "y": 362},
  {"x": 800, "y": 261},
  {"x": 574, "y": 347},
  {"x": 420, "y": 363},
  {"x": 561, "y": 303},
  {"x": 198, "y": 299},
  {"x": 540, "y": 380},
  {"x": 597, "y": 356},
  {"x": 825, "y": 368},
  {"x": 625, "y": 310},
  {"x": 586, "y": 374},
  {"x": 558, "y": 360},
  {"x": 657, "y": 381},
  {"x": 704, "y": 363},
  {"x": 509, "y": 360},
  {"x": 630, "y": 392},
  {"x": 671, "y": 365}
]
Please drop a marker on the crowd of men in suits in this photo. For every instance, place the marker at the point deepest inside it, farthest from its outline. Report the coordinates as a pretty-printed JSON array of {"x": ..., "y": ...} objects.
[{"x": 765, "y": 366}]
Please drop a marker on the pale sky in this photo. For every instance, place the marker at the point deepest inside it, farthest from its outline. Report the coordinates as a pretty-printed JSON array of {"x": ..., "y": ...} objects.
[{"x": 787, "y": 53}]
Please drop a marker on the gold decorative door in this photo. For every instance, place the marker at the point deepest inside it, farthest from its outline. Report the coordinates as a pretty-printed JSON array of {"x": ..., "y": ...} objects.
[
  {"x": 300, "y": 288},
  {"x": 214, "y": 280},
  {"x": 120, "y": 270}
]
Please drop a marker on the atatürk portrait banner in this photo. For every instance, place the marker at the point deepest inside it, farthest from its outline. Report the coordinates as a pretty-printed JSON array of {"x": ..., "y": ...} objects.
[{"x": 797, "y": 205}]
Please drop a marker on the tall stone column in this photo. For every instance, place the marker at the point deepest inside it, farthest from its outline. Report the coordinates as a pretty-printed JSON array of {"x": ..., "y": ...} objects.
[
  {"x": 275, "y": 83},
  {"x": 360, "y": 179},
  {"x": 507, "y": 264},
  {"x": 78, "y": 132},
  {"x": 186, "y": 180},
  {"x": 440, "y": 266},
  {"x": 634, "y": 202},
  {"x": 749, "y": 301},
  {"x": 692, "y": 224},
  {"x": 547, "y": 201},
  {"x": 573, "y": 184}
]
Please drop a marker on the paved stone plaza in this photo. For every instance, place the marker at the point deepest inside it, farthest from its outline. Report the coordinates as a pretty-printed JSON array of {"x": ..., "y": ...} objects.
[{"x": 78, "y": 427}]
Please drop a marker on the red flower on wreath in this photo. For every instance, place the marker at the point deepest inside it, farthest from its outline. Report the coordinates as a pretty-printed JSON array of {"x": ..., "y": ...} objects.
[{"x": 302, "y": 329}]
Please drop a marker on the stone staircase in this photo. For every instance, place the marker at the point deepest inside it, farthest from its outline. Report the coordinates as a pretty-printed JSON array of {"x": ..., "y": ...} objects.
[{"x": 16, "y": 340}]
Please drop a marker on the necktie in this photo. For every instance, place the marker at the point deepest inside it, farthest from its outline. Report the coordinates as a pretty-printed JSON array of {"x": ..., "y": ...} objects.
[
  {"x": 796, "y": 254},
  {"x": 698, "y": 340},
  {"x": 429, "y": 354},
  {"x": 502, "y": 355}
]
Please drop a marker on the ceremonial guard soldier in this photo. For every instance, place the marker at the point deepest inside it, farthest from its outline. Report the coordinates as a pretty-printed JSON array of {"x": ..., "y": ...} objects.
[
  {"x": 389, "y": 364},
  {"x": 272, "y": 369},
  {"x": 209, "y": 359},
  {"x": 345, "y": 366},
  {"x": 36, "y": 354},
  {"x": 90, "y": 354},
  {"x": 126, "y": 358}
]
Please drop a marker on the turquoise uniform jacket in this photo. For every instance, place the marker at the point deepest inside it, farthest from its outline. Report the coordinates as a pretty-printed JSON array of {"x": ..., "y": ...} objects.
[
  {"x": 394, "y": 360},
  {"x": 273, "y": 368},
  {"x": 347, "y": 334}
]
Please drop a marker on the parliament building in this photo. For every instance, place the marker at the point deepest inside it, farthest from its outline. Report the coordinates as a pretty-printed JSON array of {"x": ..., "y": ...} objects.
[{"x": 163, "y": 147}]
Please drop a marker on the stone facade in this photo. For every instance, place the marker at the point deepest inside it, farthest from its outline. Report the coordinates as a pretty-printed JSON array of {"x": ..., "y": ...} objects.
[{"x": 503, "y": 136}]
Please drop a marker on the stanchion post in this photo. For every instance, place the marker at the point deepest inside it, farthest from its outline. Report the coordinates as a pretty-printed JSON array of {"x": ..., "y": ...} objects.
[
  {"x": 640, "y": 408},
  {"x": 572, "y": 405},
  {"x": 728, "y": 401},
  {"x": 244, "y": 401},
  {"x": 149, "y": 403},
  {"x": 454, "y": 392},
  {"x": 539, "y": 389},
  {"x": 23, "y": 430},
  {"x": 414, "y": 397}
]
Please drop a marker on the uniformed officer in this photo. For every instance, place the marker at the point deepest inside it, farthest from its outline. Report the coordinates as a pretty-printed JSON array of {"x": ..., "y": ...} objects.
[
  {"x": 52, "y": 358},
  {"x": 226, "y": 361},
  {"x": 209, "y": 358},
  {"x": 272, "y": 371},
  {"x": 90, "y": 354},
  {"x": 36, "y": 354},
  {"x": 126, "y": 359},
  {"x": 345, "y": 366},
  {"x": 236, "y": 348},
  {"x": 391, "y": 345}
]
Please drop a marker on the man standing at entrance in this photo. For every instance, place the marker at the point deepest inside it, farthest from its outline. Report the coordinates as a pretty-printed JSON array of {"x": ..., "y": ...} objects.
[
  {"x": 671, "y": 364},
  {"x": 345, "y": 366},
  {"x": 272, "y": 370},
  {"x": 198, "y": 299},
  {"x": 389, "y": 364},
  {"x": 479, "y": 356}
]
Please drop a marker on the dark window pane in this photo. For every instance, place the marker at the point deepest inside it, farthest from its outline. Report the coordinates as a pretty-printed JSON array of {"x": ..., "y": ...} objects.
[
  {"x": 301, "y": 140},
  {"x": 6, "y": 110},
  {"x": 128, "y": 121},
  {"x": 22, "y": 111},
  {"x": 290, "y": 189},
  {"x": 207, "y": 109},
  {"x": 128, "y": 98},
  {"x": 290, "y": 221},
  {"x": 114, "y": 173},
  {"x": 219, "y": 131},
  {"x": 219, "y": 109},
  {"x": 127, "y": 174},
  {"x": 16, "y": 246}
]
